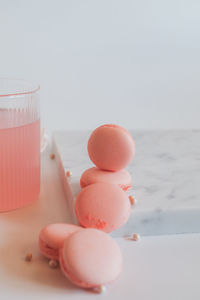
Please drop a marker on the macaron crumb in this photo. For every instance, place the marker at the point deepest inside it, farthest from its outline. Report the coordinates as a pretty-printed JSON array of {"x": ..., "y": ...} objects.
[
  {"x": 133, "y": 201},
  {"x": 53, "y": 264},
  {"x": 100, "y": 224},
  {"x": 136, "y": 237},
  {"x": 99, "y": 289},
  {"x": 28, "y": 257},
  {"x": 68, "y": 173},
  {"x": 52, "y": 156}
]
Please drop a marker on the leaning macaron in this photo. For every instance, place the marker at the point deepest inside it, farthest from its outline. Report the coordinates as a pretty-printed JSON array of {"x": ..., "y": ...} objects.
[
  {"x": 90, "y": 258},
  {"x": 104, "y": 206},
  {"x": 111, "y": 147},
  {"x": 52, "y": 236},
  {"x": 93, "y": 175}
]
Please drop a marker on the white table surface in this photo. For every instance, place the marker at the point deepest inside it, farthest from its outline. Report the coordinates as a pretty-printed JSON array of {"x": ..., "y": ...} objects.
[{"x": 165, "y": 267}]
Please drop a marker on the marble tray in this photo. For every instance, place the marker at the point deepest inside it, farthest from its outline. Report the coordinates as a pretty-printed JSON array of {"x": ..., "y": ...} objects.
[{"x": 166, "y": 179}]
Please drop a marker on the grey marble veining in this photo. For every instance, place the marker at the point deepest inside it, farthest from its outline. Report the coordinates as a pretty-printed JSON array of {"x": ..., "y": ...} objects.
[{"x": 166, "y": 178}]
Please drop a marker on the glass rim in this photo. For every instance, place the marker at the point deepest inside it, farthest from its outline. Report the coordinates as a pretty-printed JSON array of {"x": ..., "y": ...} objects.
[{"x": 30, "y": 87}]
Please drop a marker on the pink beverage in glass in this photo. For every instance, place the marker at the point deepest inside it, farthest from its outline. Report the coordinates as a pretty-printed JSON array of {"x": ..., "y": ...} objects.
[{"x": 19, "y": 144}]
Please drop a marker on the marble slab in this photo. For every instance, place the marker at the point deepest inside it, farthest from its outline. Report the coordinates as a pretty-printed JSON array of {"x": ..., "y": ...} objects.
[{"x": 166, "y": 179}]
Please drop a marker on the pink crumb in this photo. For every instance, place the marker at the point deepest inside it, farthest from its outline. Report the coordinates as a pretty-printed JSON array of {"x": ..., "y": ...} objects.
[
  {"x": 136, "y": 237},
  {"x": 28, "y": 257},
  {"x": 132, "y": 200},
  {"x": 100, "y": 224},
  {"x": 68, "y": 173}
]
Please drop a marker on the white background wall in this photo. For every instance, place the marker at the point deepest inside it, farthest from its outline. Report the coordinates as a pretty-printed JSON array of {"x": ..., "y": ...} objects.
[{"x": 136, "y": 63}]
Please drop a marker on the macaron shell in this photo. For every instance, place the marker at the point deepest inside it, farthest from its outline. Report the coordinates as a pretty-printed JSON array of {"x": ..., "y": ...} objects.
[
  {"x": 111, "y": 147},
  {"x": 90, "y": 258},
  {"x": 48, "y": 252},
  {"x": 94, "y": 175},
  {"x": 52, "y": 236},
  {"x": 104, "y": 206}
]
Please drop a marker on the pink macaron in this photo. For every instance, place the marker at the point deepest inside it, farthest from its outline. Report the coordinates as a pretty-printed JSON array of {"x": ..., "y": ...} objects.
[
  {"x": 111, "y": 147},
  {"x": 90, "y": 258},
  {"x": 104, "y": 206},
  {"x": 94, "y": 175},
  {"x": 52, "y": 236}
]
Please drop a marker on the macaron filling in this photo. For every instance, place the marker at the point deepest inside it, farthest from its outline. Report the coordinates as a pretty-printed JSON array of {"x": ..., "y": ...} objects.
[
  {"x": 48, "y": 250},
  {"x": 93, "y": 175},
  {"x": 124, "y": 187}
]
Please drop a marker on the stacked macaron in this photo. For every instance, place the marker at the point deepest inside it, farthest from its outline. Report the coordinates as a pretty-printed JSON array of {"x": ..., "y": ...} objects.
[
  {"x": 89, "y": 257},
  {"x": 102, "y": 202}
]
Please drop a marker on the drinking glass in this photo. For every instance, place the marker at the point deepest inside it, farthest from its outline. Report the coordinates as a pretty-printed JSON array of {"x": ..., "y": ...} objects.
[{"x": 19, "y": 143}]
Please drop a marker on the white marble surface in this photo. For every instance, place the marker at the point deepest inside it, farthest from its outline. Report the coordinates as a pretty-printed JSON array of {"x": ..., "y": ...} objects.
[{"x": 165, "y": 172}]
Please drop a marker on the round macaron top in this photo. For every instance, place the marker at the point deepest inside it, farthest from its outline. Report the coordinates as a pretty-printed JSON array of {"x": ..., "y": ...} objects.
[
  {"x": 94, "y": 175},
  {"x": 104, "y": 206},
  {"x": 90, "y": 258},
  {"x": 55, "y": 234},
  {"x": 111, "y": 147}
]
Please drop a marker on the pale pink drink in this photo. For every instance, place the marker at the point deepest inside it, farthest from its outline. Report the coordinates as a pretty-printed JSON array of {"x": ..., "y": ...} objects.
[{"x": 19, "y": 144}]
